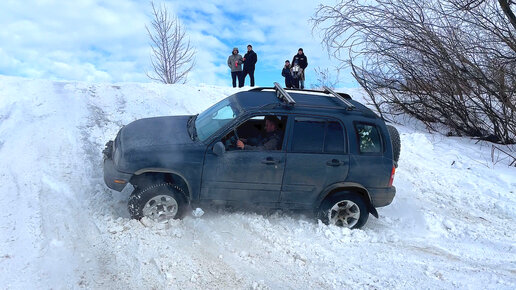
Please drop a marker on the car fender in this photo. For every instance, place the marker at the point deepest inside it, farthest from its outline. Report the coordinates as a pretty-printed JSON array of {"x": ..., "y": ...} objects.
[
  {"x": 348, "y": 186},
  {"x": 165, "y": 170}
]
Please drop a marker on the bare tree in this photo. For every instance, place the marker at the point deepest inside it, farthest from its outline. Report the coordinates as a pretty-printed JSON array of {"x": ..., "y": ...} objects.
[
  {"x": 172, "y": 55},
  {"x": 448, "y": 62},
  {"x": 325, "y": 78},
  {"x": 505, "y": 5}
]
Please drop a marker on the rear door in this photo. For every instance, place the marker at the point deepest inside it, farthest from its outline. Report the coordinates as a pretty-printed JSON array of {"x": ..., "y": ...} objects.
[
  {"x": 370, "y": 167},
  {"x": 316, "y": 157}
]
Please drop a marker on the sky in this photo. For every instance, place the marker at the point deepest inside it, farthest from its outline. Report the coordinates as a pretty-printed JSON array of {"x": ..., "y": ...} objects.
[{"x": 106, "y": 41}]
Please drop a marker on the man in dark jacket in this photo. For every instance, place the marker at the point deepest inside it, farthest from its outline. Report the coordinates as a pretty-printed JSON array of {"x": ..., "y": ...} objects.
[
  {"x": 250, "y": 59},
  {"x": 301, "y": 60}
]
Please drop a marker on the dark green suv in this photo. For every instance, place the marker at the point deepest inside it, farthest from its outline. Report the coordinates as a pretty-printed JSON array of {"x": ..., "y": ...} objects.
[{"x": 266, "y": 147}]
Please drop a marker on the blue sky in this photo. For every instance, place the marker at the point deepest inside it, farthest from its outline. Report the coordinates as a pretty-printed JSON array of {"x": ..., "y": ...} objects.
[{"x": 106, "y": 41}]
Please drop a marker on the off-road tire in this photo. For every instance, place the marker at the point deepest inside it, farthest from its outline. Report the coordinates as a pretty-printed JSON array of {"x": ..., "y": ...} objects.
[
  {"x": 345, "y": 198},
  {"x": 395, "y": 141},
  {"x": 141, "y": 196}
]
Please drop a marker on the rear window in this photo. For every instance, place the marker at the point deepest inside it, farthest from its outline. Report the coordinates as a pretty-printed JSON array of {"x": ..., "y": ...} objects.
[
  {"x": 317, "y": 135},
  {"x": 368, "y": 138},
  {"x": 334, "y": 142},
  {"x": 308, "y": 135}
]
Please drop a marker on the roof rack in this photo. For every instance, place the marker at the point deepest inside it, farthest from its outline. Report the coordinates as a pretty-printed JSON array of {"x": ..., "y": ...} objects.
[
  {"x": 348, "y": 104},
  {"x": 283, "y": 95}
]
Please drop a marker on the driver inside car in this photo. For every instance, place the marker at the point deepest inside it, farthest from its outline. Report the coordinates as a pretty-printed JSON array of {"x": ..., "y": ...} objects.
[{"x": 269, "y": 140}]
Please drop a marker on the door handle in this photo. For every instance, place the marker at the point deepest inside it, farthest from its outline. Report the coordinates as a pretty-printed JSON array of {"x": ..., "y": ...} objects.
[
  {"x": 270, "y": 161},
  {"x": 334, "y": 162}
]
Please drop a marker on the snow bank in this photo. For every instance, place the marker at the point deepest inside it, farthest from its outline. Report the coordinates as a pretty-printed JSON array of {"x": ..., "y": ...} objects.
[{"x": 451, "y": 224}]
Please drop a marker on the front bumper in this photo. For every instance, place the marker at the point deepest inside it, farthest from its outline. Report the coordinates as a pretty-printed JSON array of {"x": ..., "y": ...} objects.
[{"x": 113, "y": 178}]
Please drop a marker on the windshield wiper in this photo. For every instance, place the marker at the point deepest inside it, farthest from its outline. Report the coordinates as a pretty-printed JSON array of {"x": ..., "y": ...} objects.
[{"x": 191, "y": 127}]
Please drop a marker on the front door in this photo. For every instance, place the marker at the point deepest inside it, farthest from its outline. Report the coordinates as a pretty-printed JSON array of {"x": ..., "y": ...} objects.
[{"x": 253, "y": 176}]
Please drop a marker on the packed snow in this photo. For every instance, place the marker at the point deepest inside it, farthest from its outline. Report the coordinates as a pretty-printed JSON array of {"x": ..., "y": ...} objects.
[{"x": 451, "y": 224}]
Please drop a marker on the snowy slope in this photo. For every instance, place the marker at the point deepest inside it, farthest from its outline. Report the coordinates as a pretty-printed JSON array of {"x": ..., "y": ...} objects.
[{"x": 451, "y": 224}]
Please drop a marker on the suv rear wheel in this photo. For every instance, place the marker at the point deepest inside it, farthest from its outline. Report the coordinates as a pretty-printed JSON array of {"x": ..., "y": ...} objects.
[
  {"x": 344, "y": 209},
  {"x": 158, "y": 202}
]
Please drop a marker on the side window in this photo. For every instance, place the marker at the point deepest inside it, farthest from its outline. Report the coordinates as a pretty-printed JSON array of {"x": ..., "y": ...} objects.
[
  {"x": 263, "y": 132},
  {"x": 368, "y": 138},
  {"x": 308, "y": 135},
  {"x": 334, "y": 142},
  {"x": 317, "y": 135}
]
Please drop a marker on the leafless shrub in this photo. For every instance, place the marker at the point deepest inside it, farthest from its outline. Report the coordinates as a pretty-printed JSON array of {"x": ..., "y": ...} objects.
[
  {"x": 172, "y": 55},
  {"x": 448, "y": 62},
  {"x": 498, "y": 154},
  {"x": 325, "y": 78}
]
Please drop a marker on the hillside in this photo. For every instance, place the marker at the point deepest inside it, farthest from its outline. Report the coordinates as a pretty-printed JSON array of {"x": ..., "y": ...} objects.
[{"x": 451, "y": 225}]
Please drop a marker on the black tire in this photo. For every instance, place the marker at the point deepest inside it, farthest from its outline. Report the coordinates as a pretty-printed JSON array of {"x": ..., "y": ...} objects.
[
  {"x": 395, "y": 141},
  {"x": 350, "y": 203},
  {"x": 170, "y": 198}
]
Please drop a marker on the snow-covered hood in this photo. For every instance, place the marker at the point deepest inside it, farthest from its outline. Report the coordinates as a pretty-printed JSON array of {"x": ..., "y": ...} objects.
[{"x": 154, "y": 132}]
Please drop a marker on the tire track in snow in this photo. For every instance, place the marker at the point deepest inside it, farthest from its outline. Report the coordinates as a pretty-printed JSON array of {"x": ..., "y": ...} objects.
[{"x": 111, "y": 269}]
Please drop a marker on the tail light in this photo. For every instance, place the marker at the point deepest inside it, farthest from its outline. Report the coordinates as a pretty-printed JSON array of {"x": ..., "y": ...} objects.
[{"x": 392, "y": 176}]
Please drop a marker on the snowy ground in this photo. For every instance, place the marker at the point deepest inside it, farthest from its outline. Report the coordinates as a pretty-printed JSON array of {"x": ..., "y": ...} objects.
[{"x": 451, "y": 225}]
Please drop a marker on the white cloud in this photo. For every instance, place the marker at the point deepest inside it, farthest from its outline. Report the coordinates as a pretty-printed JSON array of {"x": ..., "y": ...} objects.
[
  {"x": 72, "y": 39},
  {"x": 97, "y": 40}
]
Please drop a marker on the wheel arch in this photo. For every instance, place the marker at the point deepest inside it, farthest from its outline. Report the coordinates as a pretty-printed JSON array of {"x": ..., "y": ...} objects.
[
  {"x": 348, "y": 186},
  {"x": 148, "y": 176}
]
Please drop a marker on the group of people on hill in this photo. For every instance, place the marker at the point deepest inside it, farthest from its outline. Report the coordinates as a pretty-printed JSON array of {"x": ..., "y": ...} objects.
[
  {"x": 235, "y": 62},
  {"x": 294, "y": 73}
]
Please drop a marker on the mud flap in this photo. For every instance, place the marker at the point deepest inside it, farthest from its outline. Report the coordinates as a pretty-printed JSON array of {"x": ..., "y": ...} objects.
[{"x": 372, "y": 210}]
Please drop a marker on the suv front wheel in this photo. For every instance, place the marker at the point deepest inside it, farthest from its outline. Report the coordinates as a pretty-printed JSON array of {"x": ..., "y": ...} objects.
[
  {"x": 158, "y": 202},
  {"x": 344, "y": 209}
]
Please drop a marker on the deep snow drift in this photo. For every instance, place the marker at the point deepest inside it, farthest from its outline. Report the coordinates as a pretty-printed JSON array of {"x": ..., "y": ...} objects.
[{"x": 451, "y": 225}]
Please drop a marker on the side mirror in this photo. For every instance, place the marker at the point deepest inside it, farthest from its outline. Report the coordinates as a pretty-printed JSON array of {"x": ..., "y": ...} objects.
[{"x": 219, "y": 148}]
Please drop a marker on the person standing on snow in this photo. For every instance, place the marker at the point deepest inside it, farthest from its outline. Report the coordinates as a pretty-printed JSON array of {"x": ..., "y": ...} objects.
[
  {"x": 235, "y": 62},
  {"x": 250, "y": 59},
  {"x": 287, "y": 74},
  {"x": 301, "y": 61}
]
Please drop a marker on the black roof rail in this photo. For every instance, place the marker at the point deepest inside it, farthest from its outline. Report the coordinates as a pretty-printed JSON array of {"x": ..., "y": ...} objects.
[
  {"x": 348, "y": 104},
  {"x": 283, "y": 95}
]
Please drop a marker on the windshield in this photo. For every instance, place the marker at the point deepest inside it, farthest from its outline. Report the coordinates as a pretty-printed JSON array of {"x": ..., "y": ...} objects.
[{"x": 215, "y": 117}]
